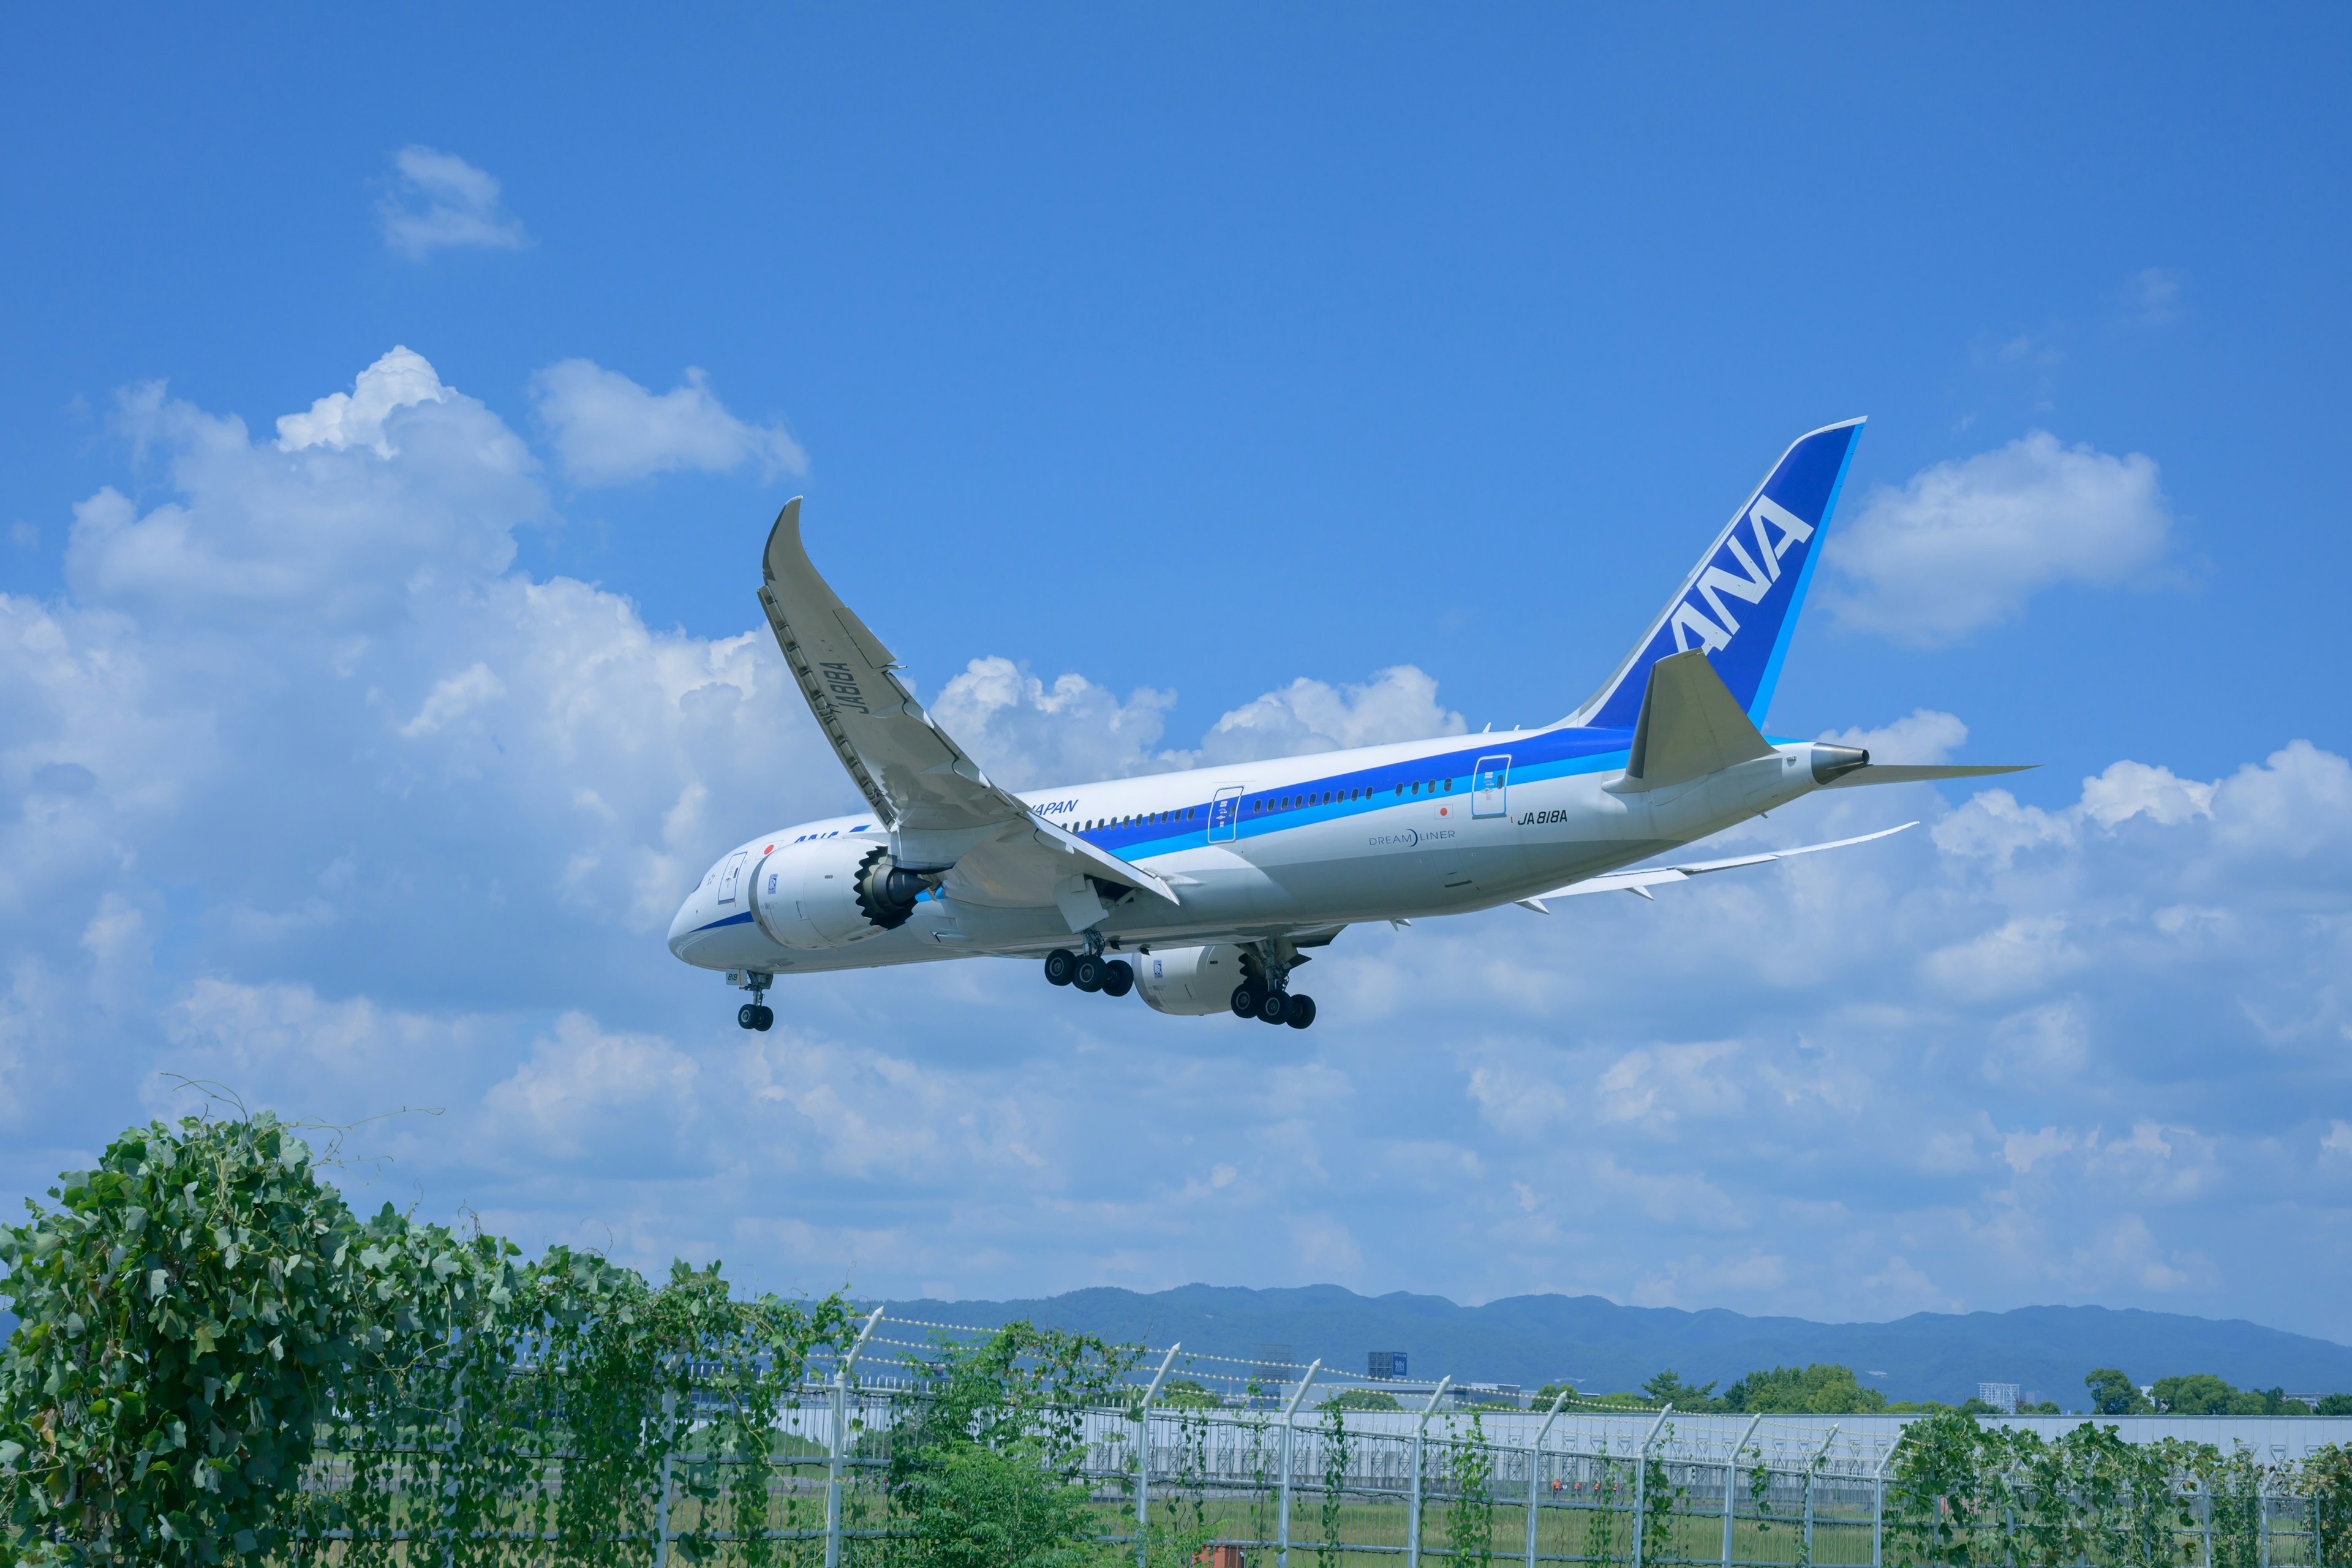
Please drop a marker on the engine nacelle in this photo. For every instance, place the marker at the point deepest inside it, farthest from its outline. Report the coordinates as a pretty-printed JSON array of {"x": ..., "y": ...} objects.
[
  {"x": 831, "y": 892},
  {"x": 1189, "y": 980}
]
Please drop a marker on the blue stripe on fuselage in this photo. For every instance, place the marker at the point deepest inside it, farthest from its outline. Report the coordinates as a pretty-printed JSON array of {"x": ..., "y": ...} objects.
[
  {"x": 1545, "y": 754},
  {"x": 730, "y": 921}
]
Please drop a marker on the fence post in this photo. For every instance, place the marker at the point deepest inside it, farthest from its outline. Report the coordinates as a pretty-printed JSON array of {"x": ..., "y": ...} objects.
[
  {"x": 1535, "y": 1471},
  {"x": 1143, "y": 1452},
  {"x": 2263, "y": 1523},
  {"x": 449, "y": 1456},
  {"x": 1641, "y": 1481},
  {"x": 1731, "y": 1483},
  {"x": 833, "y": 1458},
  {"x": 1819, "y": 1455},
  {"x": 1283, "y": 1525},
  {"x": 1878, "y": 1498},
  {"x": 661, "y": 1508},
  {"x": 1413, "y": 1508},
  {"x": 2205, "y": 1513}
]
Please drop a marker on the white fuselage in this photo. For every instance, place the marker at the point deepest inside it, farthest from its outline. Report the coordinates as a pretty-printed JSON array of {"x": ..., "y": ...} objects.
[{"x": 1252, "y": 851}]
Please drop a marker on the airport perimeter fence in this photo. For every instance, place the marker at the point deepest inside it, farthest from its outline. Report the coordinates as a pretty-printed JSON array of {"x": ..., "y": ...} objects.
[{"x": 1201, "y": 1459}]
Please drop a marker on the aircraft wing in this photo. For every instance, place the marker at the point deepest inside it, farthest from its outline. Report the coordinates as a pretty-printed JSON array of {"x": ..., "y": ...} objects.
[
  {"x": 937, "y": 805},
  {"x": 1643, "y": 879}
]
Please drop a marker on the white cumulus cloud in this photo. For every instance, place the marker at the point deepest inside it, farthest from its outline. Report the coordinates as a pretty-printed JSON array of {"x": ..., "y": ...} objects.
[
  {"x": 607, "y": 429},
  {"x": 307, "y": 788},
  {"x": 440, "y": 202},
  {"x": 1963, "y": 545}
]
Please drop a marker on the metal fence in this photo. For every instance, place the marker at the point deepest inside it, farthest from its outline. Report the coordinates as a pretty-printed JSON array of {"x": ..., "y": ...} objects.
[{"x": 1262, "y": 1459}]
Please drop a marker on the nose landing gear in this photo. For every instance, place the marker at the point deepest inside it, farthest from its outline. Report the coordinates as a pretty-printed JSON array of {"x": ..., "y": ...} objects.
[{"x": 754, "y": 1014}]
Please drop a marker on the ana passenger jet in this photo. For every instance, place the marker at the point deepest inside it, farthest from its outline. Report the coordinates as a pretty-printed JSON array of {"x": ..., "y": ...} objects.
[{"x": 1205, "y": 890}]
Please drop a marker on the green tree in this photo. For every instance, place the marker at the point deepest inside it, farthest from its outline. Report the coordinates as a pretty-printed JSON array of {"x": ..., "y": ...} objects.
[
  {"x": 2202, "y": 1393},
  {"x": 200, "y": 1307},
  {"x": 975, "y": 1506},
  {"x": 1361, "y": 1399},
  {"x": 2336, "y": 1404},
  {"x": 1823, "y": 1388},
  {"x": 2113, "y": 1393},
  {"x": 1188, "y": 1394},
  {"x": 187, "y": 1310},
  {"x": 1668, "y": 1388},
  {"x": 986, "y": 1472}
]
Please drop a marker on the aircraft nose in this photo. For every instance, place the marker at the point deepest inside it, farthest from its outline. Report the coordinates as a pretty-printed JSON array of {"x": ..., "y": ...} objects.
[{"x": 681, "y": 926}]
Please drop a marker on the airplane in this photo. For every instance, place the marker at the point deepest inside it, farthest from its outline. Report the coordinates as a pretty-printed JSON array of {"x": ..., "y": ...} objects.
[{"x": 1205, "y": 889}]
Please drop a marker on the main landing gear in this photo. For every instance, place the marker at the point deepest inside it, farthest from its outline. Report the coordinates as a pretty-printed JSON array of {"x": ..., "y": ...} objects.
[
  {"x": 1265, "y": 993},
  {"x": 1255, "y": 999},
  {"x": 754, "y": 1014},
  {"x": 1090, "y": 972}
]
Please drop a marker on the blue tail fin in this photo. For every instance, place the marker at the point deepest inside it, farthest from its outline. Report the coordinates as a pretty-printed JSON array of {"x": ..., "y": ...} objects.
[{"x": 1740, "y": 602}]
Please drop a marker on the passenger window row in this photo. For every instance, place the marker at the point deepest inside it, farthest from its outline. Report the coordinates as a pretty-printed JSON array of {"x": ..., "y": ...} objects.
[
  {"x": 1146, "y": 818},
  {"x": 1266, "y": 803}
]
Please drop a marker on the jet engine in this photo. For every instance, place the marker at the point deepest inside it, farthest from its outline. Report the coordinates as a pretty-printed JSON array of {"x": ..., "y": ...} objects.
[
  {"x": 831, "y": 892},
  {"x": 1189, "y": 980}
]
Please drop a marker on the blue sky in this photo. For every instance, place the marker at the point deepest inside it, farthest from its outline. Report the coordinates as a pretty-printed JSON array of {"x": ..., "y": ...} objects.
[{"x": 1171, "y": 386}]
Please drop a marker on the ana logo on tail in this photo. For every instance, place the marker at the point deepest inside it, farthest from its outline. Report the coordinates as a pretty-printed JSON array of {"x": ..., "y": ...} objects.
[{"x": 1758, "y": 573}]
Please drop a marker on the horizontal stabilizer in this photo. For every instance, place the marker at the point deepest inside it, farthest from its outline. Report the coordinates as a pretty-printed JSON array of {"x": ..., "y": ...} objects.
[
  {"x": 1641, "y": 880},
  {"x": 1921, "y": 773},
  {"x": 1690, "y": 726}
]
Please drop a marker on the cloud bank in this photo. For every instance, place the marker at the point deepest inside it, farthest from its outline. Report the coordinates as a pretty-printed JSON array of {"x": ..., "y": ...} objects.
[
  {"x": 440, "y": 202},
  {"x": 1963, "y": 545},
  {"x": 305, "y": 788},
  {"x": 608, "y": 430}
]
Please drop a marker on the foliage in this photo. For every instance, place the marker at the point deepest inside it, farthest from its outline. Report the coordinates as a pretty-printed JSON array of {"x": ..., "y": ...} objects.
[
  {"x": 985, "y": 1469},
  {"x": 203, "y": 1315},
  {"x": 1339, "y": 1448},
  {"x": 2327, "y": 1473},
  {"x": 1470, "y": 1472},
  {"x": 2113, "y": 1393},
  {"x": 1551, "y": 1391},
  {"x": 1820, "y": 1389},
  {"x": 187, "y": 1312},
  {"x": 1668, "y": 1388},
  {"x": 976, "y": 1506},
  {"x": 1361, "y": 1399},
  {"x": 1188, "y": 1394}
]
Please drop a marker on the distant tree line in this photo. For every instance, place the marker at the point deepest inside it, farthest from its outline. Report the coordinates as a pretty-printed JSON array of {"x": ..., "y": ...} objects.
[{"x": 1826, "y": 1388}]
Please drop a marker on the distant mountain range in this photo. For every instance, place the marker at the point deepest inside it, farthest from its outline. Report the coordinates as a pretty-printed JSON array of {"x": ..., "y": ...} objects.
[{"x": 1533, "y": 1339}]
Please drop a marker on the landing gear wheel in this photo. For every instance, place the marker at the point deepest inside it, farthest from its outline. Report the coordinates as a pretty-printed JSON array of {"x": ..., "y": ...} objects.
[
  {"x": 766, "y": 1020},
  {"x": 1118, "y": 977},
  {"x": 1276, "y": 1007},
  {"x": 756, "y": 1015},
  {"x": 1247, "y": 997},
  {"x": 1089, "y": 973},
  {"x": 1060, "y": 965},
  {"x": 1302, "y": 1012}
]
